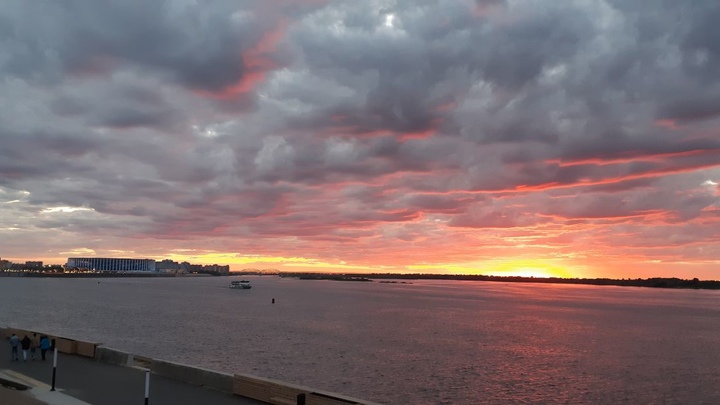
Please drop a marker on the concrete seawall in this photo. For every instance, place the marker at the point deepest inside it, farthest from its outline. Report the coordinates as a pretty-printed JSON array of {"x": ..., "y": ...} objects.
[{"x": 244, "y": 385}]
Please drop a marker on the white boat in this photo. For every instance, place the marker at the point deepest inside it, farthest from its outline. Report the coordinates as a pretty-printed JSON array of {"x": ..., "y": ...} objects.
[{"x": 240, "y": 285}]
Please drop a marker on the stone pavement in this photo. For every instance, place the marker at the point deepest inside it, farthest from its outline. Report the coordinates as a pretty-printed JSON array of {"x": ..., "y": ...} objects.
[{"x": 97, "y": 383}]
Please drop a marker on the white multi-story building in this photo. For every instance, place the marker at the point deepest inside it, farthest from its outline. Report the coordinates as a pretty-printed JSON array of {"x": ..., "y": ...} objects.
[{"x": 111, "y": 264}]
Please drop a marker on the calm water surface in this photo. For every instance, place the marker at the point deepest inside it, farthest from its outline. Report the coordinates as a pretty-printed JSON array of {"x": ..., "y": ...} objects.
[{"x": 430, "y": 342}]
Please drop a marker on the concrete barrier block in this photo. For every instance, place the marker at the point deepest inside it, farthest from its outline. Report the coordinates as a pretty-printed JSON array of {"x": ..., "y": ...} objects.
[
  {"x": 140, "y": 361},
  {"x": 112, "y": 356},
  {"x": 85, "y": 349},
  {"x": 218, "y": 381},
  {"x": 66, "y": 345},
  {"x": 329, "y": 398},
  {"x": 281, "y": 393},
  {"x": 267, "y": 390},
  {"x": 19, "y": 332}
]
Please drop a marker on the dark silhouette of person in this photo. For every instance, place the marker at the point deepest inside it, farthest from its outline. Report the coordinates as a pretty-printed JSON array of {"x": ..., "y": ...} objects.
[
  {"x": 14, "y": 343},
  {"x": 34, "y": 343},
  {"x": 44, "y": 346},
  {"x": 25, "y": 344}
]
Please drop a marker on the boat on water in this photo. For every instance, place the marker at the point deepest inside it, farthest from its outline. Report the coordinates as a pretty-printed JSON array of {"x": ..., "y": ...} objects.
[{"x": 240, "y": 285}]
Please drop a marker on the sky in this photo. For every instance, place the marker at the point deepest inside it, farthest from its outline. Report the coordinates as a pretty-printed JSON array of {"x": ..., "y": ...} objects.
[{"x": 575, "y": 138}]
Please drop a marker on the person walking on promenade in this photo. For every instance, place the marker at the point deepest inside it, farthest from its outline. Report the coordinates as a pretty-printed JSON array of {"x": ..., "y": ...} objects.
[
  {"x": 44, "y": 346},
  {"x": 25, "y": 344},
  {"x": 34, "y": 343},
  {"x": 14, "y": 343}
]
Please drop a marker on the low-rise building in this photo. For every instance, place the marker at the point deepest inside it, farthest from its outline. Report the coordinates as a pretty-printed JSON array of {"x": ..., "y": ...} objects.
[{"x": 223, "y": 270}]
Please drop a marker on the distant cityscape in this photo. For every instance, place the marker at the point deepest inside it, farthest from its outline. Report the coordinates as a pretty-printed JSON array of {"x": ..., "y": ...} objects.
[{"x": 115, "y": 265}]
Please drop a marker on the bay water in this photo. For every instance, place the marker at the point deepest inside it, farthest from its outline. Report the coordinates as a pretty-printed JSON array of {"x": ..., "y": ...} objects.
[{"x": 428, "y": 342}]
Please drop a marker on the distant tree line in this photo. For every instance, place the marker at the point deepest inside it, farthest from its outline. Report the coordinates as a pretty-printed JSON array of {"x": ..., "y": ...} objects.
[{"x": 656, "y": 282}]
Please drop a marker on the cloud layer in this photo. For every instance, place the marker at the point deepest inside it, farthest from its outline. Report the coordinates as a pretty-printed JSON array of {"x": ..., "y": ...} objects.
[{"x": 438, "y": 136}]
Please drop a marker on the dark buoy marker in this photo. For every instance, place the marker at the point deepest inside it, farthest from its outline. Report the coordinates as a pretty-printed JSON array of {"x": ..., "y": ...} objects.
[{"x": 273, "y": 300}]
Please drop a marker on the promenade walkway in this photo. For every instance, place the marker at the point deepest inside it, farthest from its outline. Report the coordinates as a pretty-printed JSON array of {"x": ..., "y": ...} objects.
[{"x": 99, "y": 383}]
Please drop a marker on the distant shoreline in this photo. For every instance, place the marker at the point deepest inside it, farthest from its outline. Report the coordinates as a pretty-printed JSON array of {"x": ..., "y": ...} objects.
[{"x": 655, "y": 282}]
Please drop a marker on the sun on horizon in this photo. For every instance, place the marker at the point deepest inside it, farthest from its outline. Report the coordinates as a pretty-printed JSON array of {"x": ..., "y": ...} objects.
[{"x": 530, "y": 268}]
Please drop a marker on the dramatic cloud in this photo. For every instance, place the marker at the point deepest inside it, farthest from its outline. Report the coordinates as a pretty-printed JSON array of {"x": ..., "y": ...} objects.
[{"x": 382, "y": 135}]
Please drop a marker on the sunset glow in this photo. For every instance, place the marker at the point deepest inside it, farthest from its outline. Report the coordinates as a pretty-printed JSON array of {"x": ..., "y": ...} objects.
[
  {"x": 497, "y": 137},
  {"x": 531, "y": 268}
]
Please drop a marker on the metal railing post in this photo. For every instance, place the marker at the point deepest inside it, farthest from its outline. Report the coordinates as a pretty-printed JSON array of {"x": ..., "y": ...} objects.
[
  {"x": 147, "y": 387},
  {"x": 54, "y": 369}
]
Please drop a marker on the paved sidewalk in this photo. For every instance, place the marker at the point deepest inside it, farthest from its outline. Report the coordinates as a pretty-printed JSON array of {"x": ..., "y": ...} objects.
[
  {"x": 106, "y": 384},
  {"x": 35, "y": 392},
  {"x": 11, "y": 397}
]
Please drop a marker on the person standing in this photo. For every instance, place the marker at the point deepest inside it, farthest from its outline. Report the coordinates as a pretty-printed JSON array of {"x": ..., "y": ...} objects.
[
  {"x": 14, "y": 343},
  {"x": 34, "y": 343},
  {"x": 25, "y": 344},
  {"x": 44, "y": 346}
]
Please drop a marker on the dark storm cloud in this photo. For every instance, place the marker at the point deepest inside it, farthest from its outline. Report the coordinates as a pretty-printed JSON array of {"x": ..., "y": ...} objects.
[
  {"x": 117, "y": 105},
  {"x": 700, "y": 43},
  {"x": 40, "y": 155},
  {"x": 404, "y": 78},
  {"x": 520, "y": 52},
  {"x": 692, "y": 109},
  {"x": 326, "y": 124},
  {"x": 193, "y": 45},
  {"x": 410, "y": 74}
]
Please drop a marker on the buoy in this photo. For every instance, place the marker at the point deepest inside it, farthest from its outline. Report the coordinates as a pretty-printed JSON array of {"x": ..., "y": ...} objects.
[{"x": 273, "y": 301}]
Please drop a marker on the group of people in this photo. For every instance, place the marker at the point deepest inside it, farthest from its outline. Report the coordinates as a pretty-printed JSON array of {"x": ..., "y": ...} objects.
[{"x": 29, "y": 344}]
